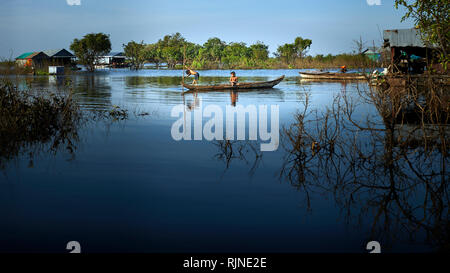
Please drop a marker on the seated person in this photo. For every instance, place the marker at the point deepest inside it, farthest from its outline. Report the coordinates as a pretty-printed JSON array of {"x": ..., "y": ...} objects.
[
  {"x": 233, "y": 79},
  {"x": 343, "y": 69},
  {"x": 195, "y": 73}
]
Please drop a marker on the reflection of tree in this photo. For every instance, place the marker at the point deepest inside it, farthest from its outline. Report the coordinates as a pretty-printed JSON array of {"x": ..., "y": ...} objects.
[
  {"x": 167, "y": 81},
  {"x": 381, "y": 168},
  {"x": 30, "y": 124},
  {"x": 37, "y": 83},
  {"x": 40, "y": 121},
  {"x": 92, "y": 91},
  {"x": 240, "y": 151},
  {"x": 160, "y": 82}
]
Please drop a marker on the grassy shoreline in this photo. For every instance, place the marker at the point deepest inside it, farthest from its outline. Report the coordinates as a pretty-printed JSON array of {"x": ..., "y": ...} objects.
[{"x": 318, "y": 62}]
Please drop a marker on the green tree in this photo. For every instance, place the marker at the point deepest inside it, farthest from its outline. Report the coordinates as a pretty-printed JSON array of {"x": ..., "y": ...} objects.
[
  {"x": 172, "y": 47},
  {"x": 289, "y": 52},
  {"x": 236, "y": 53},
  {"x": 172, "y": 55},
  {"x": 152, "y": 53},
  {"x": 301, "y": 46},
  {"x": 260, "y": 51},
  {"x": 90, "y": 48},
  {"x": 432, "y": 19},
  {"x": 213, "y": 49},
  {"x": 192, "y": 51},
  {"x": 286, "y": 52},
  {"x": 136, "y": 52}
]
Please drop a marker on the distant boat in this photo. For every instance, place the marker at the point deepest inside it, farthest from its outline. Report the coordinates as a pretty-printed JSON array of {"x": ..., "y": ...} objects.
[
  {"x": 242, "y": 85},
  {"x": 332, "y": 76}
]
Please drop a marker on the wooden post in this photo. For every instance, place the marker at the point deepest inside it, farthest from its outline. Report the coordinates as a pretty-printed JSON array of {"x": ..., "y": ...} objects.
[
  {"x": 184, "y": 60},
  {"x": 184, "y": 63},
  {"x": 392, "y": 58}
]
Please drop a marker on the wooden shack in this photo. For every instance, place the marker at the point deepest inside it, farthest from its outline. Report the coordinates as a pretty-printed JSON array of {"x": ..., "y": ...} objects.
[
  {"x": 32, "y": 59},
  {"x": 60, "y": 57},
  {"x": 409, "y": 53},
  {"x": 113, "y": 59}
]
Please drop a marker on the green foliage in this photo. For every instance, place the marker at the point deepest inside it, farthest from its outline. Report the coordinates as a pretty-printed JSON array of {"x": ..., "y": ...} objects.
[
  {"x": 260, "y": 51},
  {"x": 290, "y": 52},
  {"x": 198, "y": 64},
  {"x": 27, "y": 119},
  {"x": 41, "y": 73},
  {"x": 136, "y": 53},
  {"x": 235, "y": 53},
  {"x": 215, "y": 53},
  {"x": 432, "y": 19},
  {"x": 301, "y": 46},
  {"x": 89, "y": 49},
  {"x": 192, "y": 50},
  {"x": 286, "y": 53},
  {"x": 116, "y": 113},
  {"x": 213, "y": 50},
  {"x": 172, "y": 49},
  {"x": 152, "y": 53}
]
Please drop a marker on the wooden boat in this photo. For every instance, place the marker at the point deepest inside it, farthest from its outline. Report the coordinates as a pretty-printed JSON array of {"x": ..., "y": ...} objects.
[
  {"x": 242, "y": 85},
  {"x": 332, "y": 76}
]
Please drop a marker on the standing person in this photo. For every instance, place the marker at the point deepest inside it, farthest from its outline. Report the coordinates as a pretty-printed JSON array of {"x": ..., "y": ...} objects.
[
  {"x": 195, "y": 73},
  {"x": 233, "y": 79}
]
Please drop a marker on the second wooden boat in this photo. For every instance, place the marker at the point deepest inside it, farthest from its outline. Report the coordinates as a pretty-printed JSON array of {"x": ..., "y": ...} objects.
[
  {"x": 242, "y": 85},
  {"x": 332, "y": 76}
]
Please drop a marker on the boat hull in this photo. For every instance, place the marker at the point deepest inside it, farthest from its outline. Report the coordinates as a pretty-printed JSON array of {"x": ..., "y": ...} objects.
[
  {"x": 332, "y": 76},
  {"x": 244, "y": 85}
]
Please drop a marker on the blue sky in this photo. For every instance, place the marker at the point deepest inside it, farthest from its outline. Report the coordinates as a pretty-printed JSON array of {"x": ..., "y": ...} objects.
[{"x": 27, "y": 25}]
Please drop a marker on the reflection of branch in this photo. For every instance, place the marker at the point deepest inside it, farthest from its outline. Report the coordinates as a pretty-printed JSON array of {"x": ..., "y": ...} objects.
[
  {"x": 370, "y": 166},
  {"x": 230, "y": 150},
  {"x": 33, "y": 123}
]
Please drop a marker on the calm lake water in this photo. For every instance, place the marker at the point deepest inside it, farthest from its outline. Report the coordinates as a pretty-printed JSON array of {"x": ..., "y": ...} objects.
[{"x": 130, "y": 187}]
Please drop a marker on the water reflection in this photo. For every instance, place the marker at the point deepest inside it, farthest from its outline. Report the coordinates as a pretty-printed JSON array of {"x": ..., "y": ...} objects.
[
  {"x": 240, "y": 151},
  {"x": 234, "y": 95},
  {"x": 383, "y": 170},
  {"x": 191, "y": 104},
  {"x": 346, "y": 147},
  {"x": 159, "y": 82},
  {"x": 372, "y": 170},
  {"x": 194, "y": 102},
  {"x": 31, "y": 124},
  {"x": 92, "y": 91},
  {"x": 45, "y": 115}
]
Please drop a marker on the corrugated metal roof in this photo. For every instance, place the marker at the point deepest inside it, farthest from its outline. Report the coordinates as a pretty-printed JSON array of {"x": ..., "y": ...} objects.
[
  {"x": 58, "y": 53},
  {"x": 25, "y": 55},
  {"x": 38, "y": 54},
  {"x": 403, "y": 38},
  {"x": 51, "y": 52},
  {"x": 32, "y": 55}
]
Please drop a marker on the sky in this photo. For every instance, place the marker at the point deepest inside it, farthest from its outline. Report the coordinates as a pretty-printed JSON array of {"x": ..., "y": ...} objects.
[{"x": 332, "y": 25}]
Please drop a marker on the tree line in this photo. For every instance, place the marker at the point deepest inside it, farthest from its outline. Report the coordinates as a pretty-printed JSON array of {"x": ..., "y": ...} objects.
[
  {"x": 430, "y": 16},
  {"x": 214, "y": 53},
  {"x": 174, "y": 49}
]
